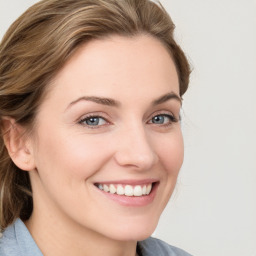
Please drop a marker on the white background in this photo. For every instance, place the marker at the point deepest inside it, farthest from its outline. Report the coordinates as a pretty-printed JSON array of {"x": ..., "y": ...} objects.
[{"x": 213, "y": 210}]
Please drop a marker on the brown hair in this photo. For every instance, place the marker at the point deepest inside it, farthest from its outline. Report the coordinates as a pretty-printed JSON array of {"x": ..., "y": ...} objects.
[{"x": 37, "y": 45}]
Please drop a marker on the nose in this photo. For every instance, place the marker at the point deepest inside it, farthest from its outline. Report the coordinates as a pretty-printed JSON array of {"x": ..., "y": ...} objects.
[{"x": 135, "y": 150}]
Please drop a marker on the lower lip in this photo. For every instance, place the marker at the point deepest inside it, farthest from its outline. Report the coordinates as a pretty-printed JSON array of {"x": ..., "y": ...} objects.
[{"x": 132, "y": 201}]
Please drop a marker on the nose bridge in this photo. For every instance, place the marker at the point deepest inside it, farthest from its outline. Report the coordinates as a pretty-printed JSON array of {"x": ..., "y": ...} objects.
[{"x": 135, "y": 149}]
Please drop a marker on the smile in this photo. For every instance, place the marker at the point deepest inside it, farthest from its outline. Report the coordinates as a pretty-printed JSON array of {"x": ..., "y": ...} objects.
[{"x": 126, "y": 190}]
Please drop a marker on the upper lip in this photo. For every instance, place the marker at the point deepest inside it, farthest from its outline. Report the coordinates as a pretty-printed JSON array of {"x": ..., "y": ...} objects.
[{"x": 128, "y": 182}]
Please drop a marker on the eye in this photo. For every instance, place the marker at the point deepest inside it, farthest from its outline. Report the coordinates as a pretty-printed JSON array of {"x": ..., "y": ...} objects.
[
  {"x": 163, "y": 119},
  {"x": 93, "y": 121}
]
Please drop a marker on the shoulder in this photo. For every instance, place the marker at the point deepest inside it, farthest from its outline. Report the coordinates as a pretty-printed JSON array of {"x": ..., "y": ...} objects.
[
  {"x": 17, "y": 241},
  {"x": 154, "y": 246},
  {"x": 8, "y": 242}
]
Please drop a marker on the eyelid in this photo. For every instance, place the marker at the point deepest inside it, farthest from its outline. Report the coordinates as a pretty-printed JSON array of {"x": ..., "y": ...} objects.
[
  {"x": 173, "y": 118},
  {"x": 166, "y": 113},
  {"x": 95, "y": 115},
  {"x": 170, "y": 120}
]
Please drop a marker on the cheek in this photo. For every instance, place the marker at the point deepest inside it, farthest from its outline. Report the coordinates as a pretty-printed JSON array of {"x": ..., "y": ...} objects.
[
  {"x": 171, "y": 153},
  {"x": 70, "y": 156},
  {"x": 87, "y": 154}
]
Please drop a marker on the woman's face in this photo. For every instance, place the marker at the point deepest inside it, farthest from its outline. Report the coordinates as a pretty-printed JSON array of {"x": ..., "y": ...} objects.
[{"x": 108, "y": 145}]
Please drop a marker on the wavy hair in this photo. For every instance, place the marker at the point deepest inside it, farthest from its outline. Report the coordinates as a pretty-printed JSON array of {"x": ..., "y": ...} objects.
[{"x": 37, "y": 45}]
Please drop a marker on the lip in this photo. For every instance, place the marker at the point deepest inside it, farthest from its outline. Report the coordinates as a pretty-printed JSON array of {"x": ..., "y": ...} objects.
[
  {"x": 128, "y": 182},
  {"x": 131, "y": 201}
]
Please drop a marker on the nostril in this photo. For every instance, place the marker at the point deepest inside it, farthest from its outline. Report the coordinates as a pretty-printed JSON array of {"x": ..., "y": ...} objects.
[
  {"x": 136, "y": 159},
  {"x": 147, "y": 160}
]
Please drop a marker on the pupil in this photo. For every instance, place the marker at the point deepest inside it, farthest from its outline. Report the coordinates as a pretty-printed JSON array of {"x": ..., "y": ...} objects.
[
  {"x": 158, "y": 119},
  {"x": 93, "y": 121}
]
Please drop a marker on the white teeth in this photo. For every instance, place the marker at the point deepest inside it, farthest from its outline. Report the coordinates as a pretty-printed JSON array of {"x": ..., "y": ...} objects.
[
  {"x": 106, "y": 188},
  {"x": 144, "y": 190},
  {"x": 149, "y": 187},
  {"x": 112, "y": 189},
  {"x": 137, "y": 191},
  {"x": 120, "y": 190},
  {"x": 127, "y": 190}
]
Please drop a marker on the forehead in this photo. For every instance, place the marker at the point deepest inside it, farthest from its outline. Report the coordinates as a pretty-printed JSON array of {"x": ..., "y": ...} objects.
[{"x": 118, "y": 64}]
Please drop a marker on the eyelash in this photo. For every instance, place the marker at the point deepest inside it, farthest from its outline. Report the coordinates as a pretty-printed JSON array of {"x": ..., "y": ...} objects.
[
  {"x": 172, "y": 119},
  {"x": 87, "y": 118}
]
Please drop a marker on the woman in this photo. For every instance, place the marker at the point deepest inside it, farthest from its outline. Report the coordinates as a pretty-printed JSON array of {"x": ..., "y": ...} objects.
[{"x": 91, "y": 145}]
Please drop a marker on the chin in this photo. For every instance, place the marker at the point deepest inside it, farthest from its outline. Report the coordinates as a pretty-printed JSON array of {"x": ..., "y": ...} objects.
[
  {"x": 135, "y": 231},
  {"x": 139, "y": 236}
]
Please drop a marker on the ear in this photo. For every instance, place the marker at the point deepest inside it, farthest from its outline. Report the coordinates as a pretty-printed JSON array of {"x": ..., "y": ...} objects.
[{"x": 18, "y": 144}]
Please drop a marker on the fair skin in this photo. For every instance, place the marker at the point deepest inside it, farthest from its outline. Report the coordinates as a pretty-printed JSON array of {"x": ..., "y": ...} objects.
[{"x": 111, "y": 116}]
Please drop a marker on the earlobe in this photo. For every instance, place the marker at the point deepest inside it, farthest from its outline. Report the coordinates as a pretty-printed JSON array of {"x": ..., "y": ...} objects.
[{"x": 17, "y": 144}]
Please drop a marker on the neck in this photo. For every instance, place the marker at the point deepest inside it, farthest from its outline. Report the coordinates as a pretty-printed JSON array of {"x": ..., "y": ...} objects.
[{"x": 59, "y": 236}]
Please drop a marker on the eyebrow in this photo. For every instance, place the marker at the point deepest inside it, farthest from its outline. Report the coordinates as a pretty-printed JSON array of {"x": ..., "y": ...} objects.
[
  {"x": 113, "y": 103},
  {"x": 167, "y": 97},
  {"x": 99, "y": 100}
]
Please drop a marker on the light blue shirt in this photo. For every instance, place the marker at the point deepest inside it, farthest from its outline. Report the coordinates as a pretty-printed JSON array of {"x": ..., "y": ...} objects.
[{"x": 17, "y": 241}]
